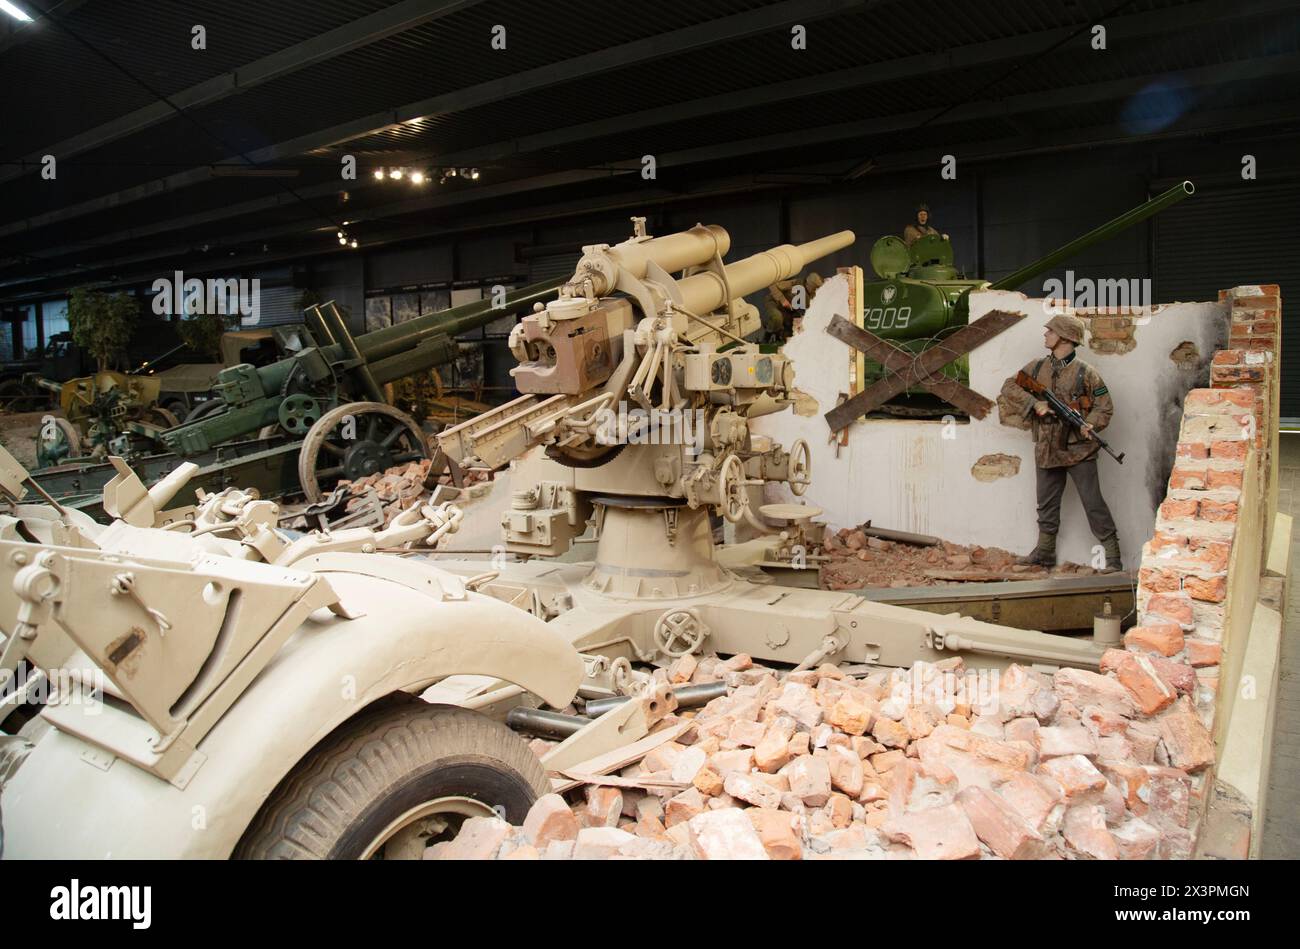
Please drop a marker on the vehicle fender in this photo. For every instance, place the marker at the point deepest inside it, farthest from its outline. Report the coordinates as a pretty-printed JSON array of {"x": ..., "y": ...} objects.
[{"x": 64, "y": 802}]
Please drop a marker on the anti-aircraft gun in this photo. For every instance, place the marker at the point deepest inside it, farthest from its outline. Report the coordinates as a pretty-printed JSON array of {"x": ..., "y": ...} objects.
[
  {"x": 921, "y": 298},
  {"x": 641, "y": 384},
  {"x": 329, "y": 391},
  {"x": 647, "y": 335}
]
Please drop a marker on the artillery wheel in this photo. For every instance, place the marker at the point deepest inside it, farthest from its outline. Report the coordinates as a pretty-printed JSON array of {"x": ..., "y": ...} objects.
[
  {"x": 162, "y": 417},
  {"x": 60, "y": 432},
  {"x": 379, "y": 437},
  {"x": 203, "y": 409},
  {"x": 395, "y": 780},
  {"x": 16, "y": 396}
]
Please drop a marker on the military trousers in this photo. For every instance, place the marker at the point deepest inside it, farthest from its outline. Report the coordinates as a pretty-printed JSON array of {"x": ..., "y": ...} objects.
[{"x": 1051, "y": 485}]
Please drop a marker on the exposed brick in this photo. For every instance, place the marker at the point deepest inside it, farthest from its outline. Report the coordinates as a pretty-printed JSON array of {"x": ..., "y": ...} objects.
[
  {"x": 1236, "y": 374},
  {"x": 1174, "y": 607},
  {"x": 1159, "y": 580},
  {"x": 1219, "y": 401},
  {"x": 1217, "y": 511},
  {"x": 1211, "y": 590},
  {"x": 1188, "y": 476},
  {"x": 1219, "y": 478},
  {"x": 1164, "y": 638},
  {"x": 1138, "y": 675},
  {"x": 1213, "y": 555},
  {"x": 1201, "y": 653},
  {"x": 1226, "y": 357},
  {"x": 1177, "y": 509},
  {"x": 1196, "y": 451},
  {"x": 1186, "y": 738}
]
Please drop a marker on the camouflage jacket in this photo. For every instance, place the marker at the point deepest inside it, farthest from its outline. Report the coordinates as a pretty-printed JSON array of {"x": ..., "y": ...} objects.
[{"x": 1056, "y": 443}]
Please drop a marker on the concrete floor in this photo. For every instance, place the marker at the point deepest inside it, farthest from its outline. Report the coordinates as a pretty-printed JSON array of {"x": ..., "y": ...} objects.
[{"x": 1282, "y": 809}]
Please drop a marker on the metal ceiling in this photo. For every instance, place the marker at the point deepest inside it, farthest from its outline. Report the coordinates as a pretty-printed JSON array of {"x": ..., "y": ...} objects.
[{"x": 137, "y": 118}]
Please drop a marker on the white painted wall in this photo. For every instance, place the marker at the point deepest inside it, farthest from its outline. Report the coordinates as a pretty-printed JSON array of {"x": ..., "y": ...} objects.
[{"x": 905, "y": 475}]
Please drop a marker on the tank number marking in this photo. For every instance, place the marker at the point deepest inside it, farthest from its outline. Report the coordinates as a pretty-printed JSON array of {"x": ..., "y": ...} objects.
[{"x": 889, "y": 317}]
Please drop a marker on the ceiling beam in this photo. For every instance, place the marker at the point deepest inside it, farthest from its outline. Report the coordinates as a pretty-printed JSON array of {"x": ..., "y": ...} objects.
[
  {"x": 325, "y": 46},
  {"x": 1085, "y": 94},
  {"x": 1133, "y": 26},
  {"x": 703, "y": 35},
  {"x": 1206, "y": 123}
]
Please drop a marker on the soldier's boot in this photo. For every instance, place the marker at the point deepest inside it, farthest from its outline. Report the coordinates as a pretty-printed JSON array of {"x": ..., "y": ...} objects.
[
  {"x": 1044, "y": 555},
  {"x": 1114, "y": 562}
]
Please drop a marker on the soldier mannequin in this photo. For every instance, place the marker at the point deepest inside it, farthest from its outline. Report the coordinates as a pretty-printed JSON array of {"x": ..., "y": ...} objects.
[
  {"x": 1059, "y": 450},
  {"x": 920, "y": 227},
  {"x": 780, "y": 301}
]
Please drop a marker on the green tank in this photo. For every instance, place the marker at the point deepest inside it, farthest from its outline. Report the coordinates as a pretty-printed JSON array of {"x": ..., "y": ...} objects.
[{"x": 921, "y": 298}]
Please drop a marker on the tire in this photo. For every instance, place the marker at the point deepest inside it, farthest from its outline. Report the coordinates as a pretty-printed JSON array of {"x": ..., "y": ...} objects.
[
  {"x": 203, "y": 409},
  {"x": 378, "y": 766}
]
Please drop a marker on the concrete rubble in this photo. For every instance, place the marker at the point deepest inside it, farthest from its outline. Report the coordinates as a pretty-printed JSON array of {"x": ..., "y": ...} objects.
[
  {"x": 856, "y": 560},
  {"x": 933, "y": 762}
]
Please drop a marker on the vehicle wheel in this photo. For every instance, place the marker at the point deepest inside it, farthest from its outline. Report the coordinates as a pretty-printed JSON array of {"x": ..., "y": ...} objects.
[
  {"x": 16, "y": 396},
  {"x": 203, "y": 409},
  {"x": 393, "y": 781},
  {"x": 354, "y": 440}
]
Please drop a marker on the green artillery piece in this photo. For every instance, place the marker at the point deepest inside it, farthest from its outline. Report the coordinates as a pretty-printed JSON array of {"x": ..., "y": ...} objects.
[
  {"x": 922, "y": 299},
  {"x": 329, "y": 392}
]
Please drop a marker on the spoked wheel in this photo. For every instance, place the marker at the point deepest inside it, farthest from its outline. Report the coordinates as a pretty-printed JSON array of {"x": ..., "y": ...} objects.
[
  {"x": 57, "y": 441},
  {"x": 394, "y": 781},
  {"x": 16, "y": 396},
  {"x": 162, "y": 417},
  {"x": 355, "y": 440}
]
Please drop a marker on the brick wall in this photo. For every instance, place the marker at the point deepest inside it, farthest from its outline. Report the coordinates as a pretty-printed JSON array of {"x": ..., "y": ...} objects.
[
  {"x": 1227, "y": 436},
  {"x": 1199, "y": 576}
]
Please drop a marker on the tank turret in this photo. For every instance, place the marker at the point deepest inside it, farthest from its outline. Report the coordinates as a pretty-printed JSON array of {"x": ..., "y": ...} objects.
[{"x": 921, "y": 298}]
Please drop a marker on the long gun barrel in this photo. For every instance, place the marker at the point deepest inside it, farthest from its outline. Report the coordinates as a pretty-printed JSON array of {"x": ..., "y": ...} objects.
[
  {"x": 253, "y": 396},
  {"x": 705, "y": 292},
  {"x": 1126, "y": 220},
  {"x": 1056, "y": 404}
]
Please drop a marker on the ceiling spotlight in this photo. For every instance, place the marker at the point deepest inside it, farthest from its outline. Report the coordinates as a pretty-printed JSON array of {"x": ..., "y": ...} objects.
[
  {"x": 14, "y": 11},
  {"x": 354, "y": 243},
  {"x": 451, "y": 172},
  {"x": 342, "y": 239},
  {"x": 473, "y": 173},
  {"x": 395, "y": 173},
  {"x": 379, "y": 174},
  {"x": 417, "y": 177},
  {"x": 339, "y": 235}
]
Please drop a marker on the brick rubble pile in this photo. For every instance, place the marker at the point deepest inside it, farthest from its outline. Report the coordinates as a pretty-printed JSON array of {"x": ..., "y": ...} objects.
[
  {"x": 856, "y": 560},
  {"x": 936, "y": 762},
  {"x": 402, "y": 486}
]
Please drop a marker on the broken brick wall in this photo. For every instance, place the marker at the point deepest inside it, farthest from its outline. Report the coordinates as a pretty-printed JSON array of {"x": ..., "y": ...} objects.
[
  {"x": 1199, "y": 576},
  {"x": 973, "y": 483}
]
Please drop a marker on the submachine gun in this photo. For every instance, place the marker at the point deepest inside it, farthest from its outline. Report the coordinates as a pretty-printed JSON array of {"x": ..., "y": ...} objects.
[{"x": 1063, "y": 411}]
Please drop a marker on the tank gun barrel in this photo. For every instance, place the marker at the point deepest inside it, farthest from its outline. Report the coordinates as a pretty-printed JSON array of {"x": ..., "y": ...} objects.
[
  {"x": 1126, "y": 220},
  {"x": 705, "y": 292}
]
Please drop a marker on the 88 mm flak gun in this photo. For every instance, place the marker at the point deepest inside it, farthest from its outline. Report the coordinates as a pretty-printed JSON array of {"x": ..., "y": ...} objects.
[
  {"x": 640, "y": 384},
  {"x": 655, "y": 327}
]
